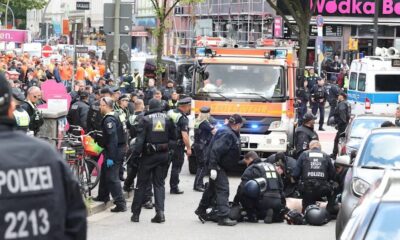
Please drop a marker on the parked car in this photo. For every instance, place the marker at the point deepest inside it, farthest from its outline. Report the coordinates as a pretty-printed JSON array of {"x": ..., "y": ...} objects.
[
  {"x": 378, "y": 151},
  {"x": 376, "y": 216},
  {"x": 358, "y": 129}
]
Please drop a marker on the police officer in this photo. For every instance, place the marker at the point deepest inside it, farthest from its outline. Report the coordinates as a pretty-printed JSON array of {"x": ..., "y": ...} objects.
[
  {"x": 305, "y": 134},
  {"x": 173, "y": 102},
  {"x": 315, "y": 171},
  {"x": 38, "y": 187},
  {"x": 312, "y": 78},
  {"x": 121, "y": 109},
  {"x": 20, "y": 115},
  {"x": 114, "y": 142},
  {"x": 78, "y": 112},
  {"x": 268, "y": 202},
  {"x": 303, "y": 96},
  {"x": 285, "y": 166},
  {"x": 318, "y": 99},
  {"x": 94, "y": 116},
  {"x": 153, "y": 144},
  {"x": 35, "y": 116},
  {"x": 223, "y": 154},
  {"x": 332, "y": 92},
  {"x": 342, "y": 117},
  {"x": 179, "y": 118},
  {"x": 203, "y": 132}
]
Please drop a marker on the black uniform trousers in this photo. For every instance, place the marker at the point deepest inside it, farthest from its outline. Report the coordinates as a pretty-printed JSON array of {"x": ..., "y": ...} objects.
[
  {"x": 341, "y": 129},
  {"x": 178, "y": 159},
  {"x": 109, "y": 179},
  {"x": 315, "y": 106},
  {"x": 130, "y": 181},
  {"x": 259, "y": 207},
  {"x": 154, "y": 167},
  {"x": 315, "y": 190},
  {"x": 333, "y": 105},
  {"x": 302, "y": 110},
  {"x": 199, "y": 150}
]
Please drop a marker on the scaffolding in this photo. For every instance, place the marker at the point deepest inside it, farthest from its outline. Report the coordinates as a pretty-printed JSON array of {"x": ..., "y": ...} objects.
[{"x": 244, "y": 21}]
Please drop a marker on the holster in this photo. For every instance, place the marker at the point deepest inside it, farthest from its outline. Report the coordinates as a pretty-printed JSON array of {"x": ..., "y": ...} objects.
[{"x": 156, "y": 148}]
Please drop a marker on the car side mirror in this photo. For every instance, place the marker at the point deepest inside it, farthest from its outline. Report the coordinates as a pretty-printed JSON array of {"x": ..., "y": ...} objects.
[{"x": 343, "y": 161}]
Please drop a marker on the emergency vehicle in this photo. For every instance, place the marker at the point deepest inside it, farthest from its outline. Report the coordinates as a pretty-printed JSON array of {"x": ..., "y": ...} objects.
[
  {"x": 257, "y": 83},
  {"x": 374, "y": 84}
]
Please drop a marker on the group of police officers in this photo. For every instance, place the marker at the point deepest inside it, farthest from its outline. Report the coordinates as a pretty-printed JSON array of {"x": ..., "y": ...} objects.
[{"x": 160, "y": 136}]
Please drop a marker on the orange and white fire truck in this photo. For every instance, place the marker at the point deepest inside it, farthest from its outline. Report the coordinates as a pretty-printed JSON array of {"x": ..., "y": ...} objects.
[{"x": 258, "y": 83}]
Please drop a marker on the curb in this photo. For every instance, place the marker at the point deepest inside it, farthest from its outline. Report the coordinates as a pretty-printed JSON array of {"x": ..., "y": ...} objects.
[{"x": 97, "y": 207}]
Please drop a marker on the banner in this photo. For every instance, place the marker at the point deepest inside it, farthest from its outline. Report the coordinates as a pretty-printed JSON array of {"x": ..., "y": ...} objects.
[{"x": 17, "y": 36}]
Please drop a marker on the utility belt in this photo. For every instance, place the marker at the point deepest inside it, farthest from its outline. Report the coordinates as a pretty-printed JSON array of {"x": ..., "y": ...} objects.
[
  {"x": 313, "y": 183},
  {"x": 272, "y": 194},
  {"x": 151, "y": 148}
]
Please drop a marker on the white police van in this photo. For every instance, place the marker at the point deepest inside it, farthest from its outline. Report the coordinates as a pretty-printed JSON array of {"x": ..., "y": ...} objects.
[{"x": 374, "y": 85}]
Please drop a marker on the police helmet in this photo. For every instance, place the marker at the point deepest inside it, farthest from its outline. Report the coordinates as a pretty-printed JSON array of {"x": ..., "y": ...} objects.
[
  {"x": 293, "y": 217},
  {"x": 262, "y": 184},
  {"x": 331, "y": 121},
  {"x": 252, "y": 189},
  {"x": 317, "y": 216}
]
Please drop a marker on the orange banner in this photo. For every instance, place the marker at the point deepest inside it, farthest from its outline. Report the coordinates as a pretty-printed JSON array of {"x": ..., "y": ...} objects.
[
  {"x": 242, "y": 108},
  {"x": 65, "y": 27}
]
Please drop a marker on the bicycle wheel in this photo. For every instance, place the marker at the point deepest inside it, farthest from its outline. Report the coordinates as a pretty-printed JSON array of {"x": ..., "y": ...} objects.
[{"x": 91, "y": 166}]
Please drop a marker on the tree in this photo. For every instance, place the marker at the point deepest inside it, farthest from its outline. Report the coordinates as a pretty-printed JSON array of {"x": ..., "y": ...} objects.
[
  {"x": 19, "y": 7},
  {"x": 162, "y": 12},
  {"x": 301, "y": 12}
]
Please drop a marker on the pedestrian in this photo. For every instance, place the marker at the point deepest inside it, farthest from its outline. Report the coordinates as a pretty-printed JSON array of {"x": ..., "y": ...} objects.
[
  {"x": 114, "y": 144},
  {"x": 153, "y": 145},
  {"x": 203, "y": 132},
  {"x": 303, "y": 96},
  {"x": 224, "y": 153},
  {"x": 149, "y": 91},
  {"x": 78, "y": 113},
  {"x": 173, "y": 102},
  {"x": 305, "y": 134},
  {"x": 20, "y": 115},
  {"x": 36, "y": 185},
  {"x": 318, "y": 100},
  {"x": 137, "y": 79},
  {"x": 181, "y": 121},
  {"x": 35, "y": 116},
  {"x": 168, "y": 90},
  {"x": 332, "y": 93},
  {"x": 261, "y": 191},
  {"x": 315, "y": 171},
  {"x": 342, "y": 117}
]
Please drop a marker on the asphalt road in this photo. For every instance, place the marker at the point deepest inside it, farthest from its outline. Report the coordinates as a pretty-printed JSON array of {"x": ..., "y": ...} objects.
[{"x": 182, "y": 223}]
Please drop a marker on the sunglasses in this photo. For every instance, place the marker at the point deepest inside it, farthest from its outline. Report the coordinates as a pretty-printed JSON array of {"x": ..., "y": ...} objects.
[{"x": 36, "y": 97}]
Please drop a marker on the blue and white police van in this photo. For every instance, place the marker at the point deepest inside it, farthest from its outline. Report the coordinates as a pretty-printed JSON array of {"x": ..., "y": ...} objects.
[{"x": 374, "y": 84}]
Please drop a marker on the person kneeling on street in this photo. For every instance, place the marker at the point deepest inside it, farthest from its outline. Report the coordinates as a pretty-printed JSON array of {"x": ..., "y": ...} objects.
[{"x": 261, "y": 191}]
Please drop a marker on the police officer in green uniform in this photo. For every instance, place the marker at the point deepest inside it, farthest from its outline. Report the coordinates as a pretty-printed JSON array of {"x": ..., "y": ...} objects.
[
  {"x": 121, "y": 109},
  {"x": 173, "y": 102},
  {"x": 203, "y": 132},
  {"x": 179, "y": 118},
  {"x": 20, "y": 115},
  {"x": 153, "y": 145}
]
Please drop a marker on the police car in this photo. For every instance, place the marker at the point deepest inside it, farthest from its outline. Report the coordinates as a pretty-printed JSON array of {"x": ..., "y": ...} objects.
[{"x": 374, "y": 85}]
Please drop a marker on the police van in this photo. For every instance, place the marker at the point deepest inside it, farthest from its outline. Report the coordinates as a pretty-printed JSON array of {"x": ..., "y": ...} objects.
[{"x": 374, "y": 85}]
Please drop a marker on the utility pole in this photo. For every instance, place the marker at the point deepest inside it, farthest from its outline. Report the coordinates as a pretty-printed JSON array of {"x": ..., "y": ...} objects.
[
  {"x": 116, "y": 40},
  {"x": 6, "y": 20},
  {"x": 75, "y": 56},
  {"x": 375, "y": 30}
]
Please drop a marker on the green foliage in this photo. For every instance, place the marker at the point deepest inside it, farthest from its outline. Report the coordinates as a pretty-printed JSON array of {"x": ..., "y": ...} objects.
[{"x": 26, "y": 4}]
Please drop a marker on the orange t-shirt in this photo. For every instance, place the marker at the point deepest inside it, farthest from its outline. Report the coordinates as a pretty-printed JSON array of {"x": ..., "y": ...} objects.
[
  {"x": 80, "y": 73},
  {"x": 102, "y": 70}
]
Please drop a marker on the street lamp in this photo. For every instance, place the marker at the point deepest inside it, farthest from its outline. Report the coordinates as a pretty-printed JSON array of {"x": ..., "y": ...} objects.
[{"x": 12, "y": 13}]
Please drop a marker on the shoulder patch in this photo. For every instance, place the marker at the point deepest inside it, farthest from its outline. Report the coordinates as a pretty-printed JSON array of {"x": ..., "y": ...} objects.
[{"x": 110, "y": 125}]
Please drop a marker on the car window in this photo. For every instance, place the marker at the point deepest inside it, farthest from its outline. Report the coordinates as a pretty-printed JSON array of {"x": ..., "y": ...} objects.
[
  {"x": 361, "y": 82},
  {"x": 361, "y": 127},
  {"x": 376, "y": 151},
  {"x": 387, "y": 83},
  {"x": 353, "y": 81},
  {"x": 385, "y": 224}
]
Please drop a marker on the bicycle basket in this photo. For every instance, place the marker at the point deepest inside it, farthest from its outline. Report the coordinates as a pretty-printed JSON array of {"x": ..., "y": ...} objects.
[{"x": 91, "y": 147}]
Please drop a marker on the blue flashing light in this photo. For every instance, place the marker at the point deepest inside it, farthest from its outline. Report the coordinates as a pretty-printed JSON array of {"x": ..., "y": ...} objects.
[{"x": 254, "y": 126}]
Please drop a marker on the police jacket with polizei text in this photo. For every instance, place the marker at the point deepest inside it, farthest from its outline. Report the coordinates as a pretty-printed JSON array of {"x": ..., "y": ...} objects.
[
  {"x": 94, "y": 117},
  {"x": 314, "y": 165},
  {"x": 155, "y": 128},
  {"x": 318, "y": 93},
  {"x": 39, "y": 197},
  {"x": 113, "y": 135},
  {"x": 224, "y": 150},
  {"x": 260, "y": 169},
  {"x": 303, "y": 136}
]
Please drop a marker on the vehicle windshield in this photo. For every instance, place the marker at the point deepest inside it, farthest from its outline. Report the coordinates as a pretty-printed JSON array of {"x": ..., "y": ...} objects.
[
  {"x": 242, "y": 81},
  {"x": 361, "y": 127},
  {"x": 385, "y": 224},
  {"x": 381, "y": 150},
  {"x": 184, "y": 77}
]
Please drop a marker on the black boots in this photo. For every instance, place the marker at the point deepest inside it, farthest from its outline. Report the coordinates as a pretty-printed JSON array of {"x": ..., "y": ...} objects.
[
  {"x": 119, "y": 208},
  {"x": 135, "y": 217},
  {"x": 225, "y": 221},
  {"x": 159, "y": 218},
  {"x": 175, "y": 191},
  {"x": 269, "y": 216}
]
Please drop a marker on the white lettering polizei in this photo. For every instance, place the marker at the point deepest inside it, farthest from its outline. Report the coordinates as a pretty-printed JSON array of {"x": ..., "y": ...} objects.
[{"x": 26, "y": 180}]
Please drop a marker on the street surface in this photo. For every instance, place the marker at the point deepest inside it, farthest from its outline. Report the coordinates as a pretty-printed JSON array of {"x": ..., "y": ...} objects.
[{"x": 182, "y": 223}]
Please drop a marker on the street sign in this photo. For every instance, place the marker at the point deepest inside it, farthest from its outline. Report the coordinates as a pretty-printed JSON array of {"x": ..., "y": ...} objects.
[
  {"x": 278, "y": 27},
  {"x": 81, "y": 49},
  {"x": 125, "y": 23},
  {"x": 47, "y": 51},
  {"x": 82, "y": 5},
  {"x": 125, "y": 51}
]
